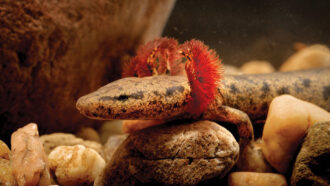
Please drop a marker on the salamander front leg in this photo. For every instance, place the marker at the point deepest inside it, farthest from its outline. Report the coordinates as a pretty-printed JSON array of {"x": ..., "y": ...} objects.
[{"x": 239, "y": 118}]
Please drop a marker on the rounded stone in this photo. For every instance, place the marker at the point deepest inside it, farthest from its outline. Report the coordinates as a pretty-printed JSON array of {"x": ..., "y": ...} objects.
[
  {"x": 256, "y": 179},
  {"x": 172, "y": 154},
  {"x": 51, "y": 141},
  {"x": 312, "y": 163}
]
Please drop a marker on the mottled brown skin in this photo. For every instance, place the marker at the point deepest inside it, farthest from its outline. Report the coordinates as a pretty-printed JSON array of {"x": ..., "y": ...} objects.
[{"x": 239, "y": 97}]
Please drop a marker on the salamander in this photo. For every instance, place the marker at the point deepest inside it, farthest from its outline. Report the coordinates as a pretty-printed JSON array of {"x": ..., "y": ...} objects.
[{"x": 239, "y": 97}]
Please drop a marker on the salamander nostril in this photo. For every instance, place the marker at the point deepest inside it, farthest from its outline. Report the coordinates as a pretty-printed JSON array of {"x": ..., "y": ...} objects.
[{"x": 123, "y": 97}]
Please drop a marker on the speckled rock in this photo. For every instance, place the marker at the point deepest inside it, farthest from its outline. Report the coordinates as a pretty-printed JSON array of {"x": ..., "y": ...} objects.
[
  {"x": 312, "y": 163},
  {"x": 53, "y": 52},
  {"x": 172, "y": 154},
  {"x": 75, "y": 165},
  {"x": 256, "y": 179},
  {"x": 51, "y": 141}
]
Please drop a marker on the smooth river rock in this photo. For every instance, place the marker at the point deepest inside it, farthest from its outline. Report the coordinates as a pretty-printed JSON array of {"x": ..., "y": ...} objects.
[{"x": 172, "y": 154}]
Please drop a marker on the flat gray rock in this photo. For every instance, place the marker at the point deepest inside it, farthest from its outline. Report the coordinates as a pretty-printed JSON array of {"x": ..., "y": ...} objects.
[
  {"x": 172, "y": 154},
  {"x": 312, "y": 164}
]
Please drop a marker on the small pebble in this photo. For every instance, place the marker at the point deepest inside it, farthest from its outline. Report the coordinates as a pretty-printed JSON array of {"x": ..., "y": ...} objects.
[
  {"x": 257, "y": 67},
  {"x": 4, "y": 150},
  {"x": 29, "y": 161},
  {"x": 112, "y": 145},
  {"x": 88, "y": 133},
  {"x": 256, "y": 179},
  {"x": 110, "y": 128},
  {"x": 6, "y": 174},
  {"x": 252, "y": 159},
  {"x": 51, "y": 141},
  {"x": 314, "y": 56},
  {"x": 75, "y": 165}
]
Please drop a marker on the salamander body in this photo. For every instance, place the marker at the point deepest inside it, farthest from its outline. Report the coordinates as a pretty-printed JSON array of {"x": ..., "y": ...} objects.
[
  {"x": 239, "y": 98},
  {"x": 160, "y": 97}
]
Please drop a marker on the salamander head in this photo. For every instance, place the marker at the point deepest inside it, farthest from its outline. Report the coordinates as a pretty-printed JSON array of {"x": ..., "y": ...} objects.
[{"x": 155, "y": 97}]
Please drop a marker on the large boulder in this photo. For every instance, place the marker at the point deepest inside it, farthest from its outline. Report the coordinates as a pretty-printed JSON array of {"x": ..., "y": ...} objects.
[
  {"x": 54, "y": 51},
  {"x": 312, "y": 163},
  {"x": 172, "y": 154}
]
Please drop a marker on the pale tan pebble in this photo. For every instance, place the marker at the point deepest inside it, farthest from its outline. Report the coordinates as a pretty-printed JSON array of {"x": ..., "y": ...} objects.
[
  {"x": 75, "y": 165},
  {"x": 29, "y": 161},
  {"x": 231, "y": 70},
  {"x": 130, "y": 126},
  {"x": 6, "y": 174},
  {"x": 297, "y": 46},
  {"x": 112, "y": 145},
  {"x": 51, "y": 141},
  {"x": 110, "y": 128},
  {"x": 4, "y": 150},
  {"x": 257, "y": 67},
  {"x": 256, "y": 179},
  {"x": 88, "y": 133},
  {"x": 252, "y": 159},
  {"x": 286, "y": 125},
  {"x": 313, "y": 56}
]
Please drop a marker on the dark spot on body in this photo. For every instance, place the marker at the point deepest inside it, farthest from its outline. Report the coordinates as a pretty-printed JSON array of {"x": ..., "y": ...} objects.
[
  {"x": 122, "y": 97},
  {"x": 106, "y": 98},
  {"x": 307, "y": 83},
  {"x": 156, "y": 93},
  {"x": 100, "y": 108},
  {"x": 283, "y": 90},
  {"x": 109, "y": 111},
  {"x": 326, "y": 92},
  {"x": 137, "y": 95},
  {"x": 264, "y": 106},
  {"x": 120, "y": 88},
  {"x": 297, "y": 88},
  {"x": 175, "y": 105},
  {"x": 251, "y": 101},
  {"x": 94, "y": 114},
  {"x": 123, "y": 110},
  {"x": 174, "y": 81},
  {"x": 171, "y": 90},
  {"x": 233, "y": 88},
  {"x": 201, "y": 79},
  {"x": 265, "y": 88}
]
